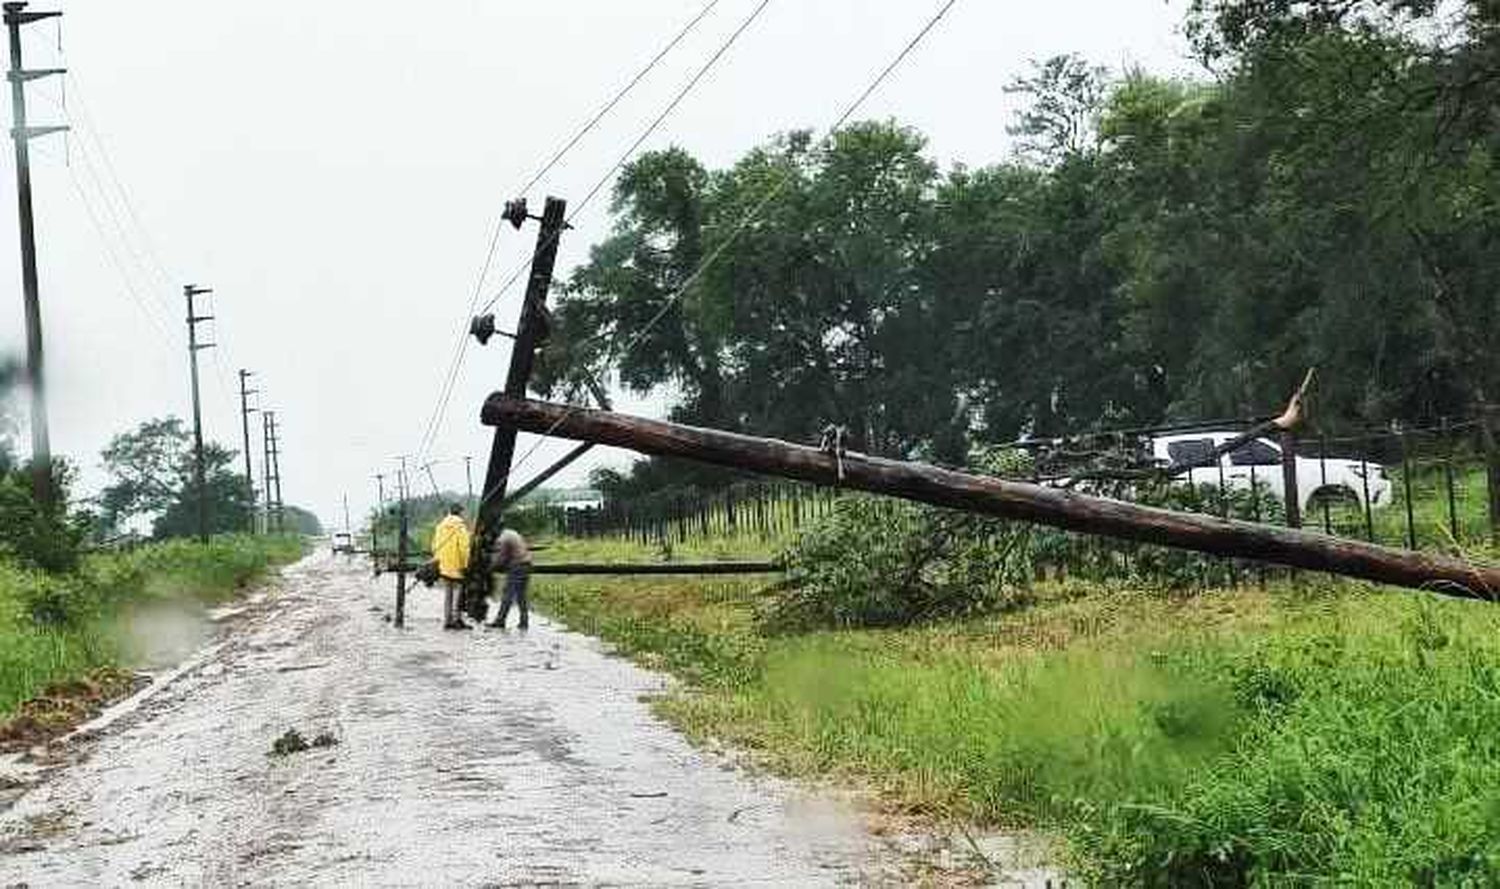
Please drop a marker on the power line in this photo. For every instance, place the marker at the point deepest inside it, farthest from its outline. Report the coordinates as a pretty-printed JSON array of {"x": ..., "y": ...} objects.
[
  {"x": 109, "y": 251},
  {"x": 91, "y": 132},
  {"x": 456, "y": 361},
  {"x": 744, "y": 223},
  {"x": 112, "y": 217},
  {"x": 447, "y": 392},
  {"x": 652, "y": 128}
]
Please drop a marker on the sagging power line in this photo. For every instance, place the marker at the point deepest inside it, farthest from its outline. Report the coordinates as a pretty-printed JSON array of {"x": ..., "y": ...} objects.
[
  {"x": 496, "y": 492},
  {"x": 460, "y": 345}
]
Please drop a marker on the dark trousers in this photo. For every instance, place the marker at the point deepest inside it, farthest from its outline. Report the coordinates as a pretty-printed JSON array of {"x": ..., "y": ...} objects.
[{"x": 516, "y": 581}]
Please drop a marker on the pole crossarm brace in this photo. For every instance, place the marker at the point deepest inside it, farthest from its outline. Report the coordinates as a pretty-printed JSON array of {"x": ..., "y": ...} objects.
[
  {"x": 33, "y": 74},
  {"x": 15, "y": 16},
  {"x": 1058, "y": 508}
]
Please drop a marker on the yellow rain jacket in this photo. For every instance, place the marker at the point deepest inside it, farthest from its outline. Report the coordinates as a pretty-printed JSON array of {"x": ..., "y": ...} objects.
[{"x": 450, "y": 546}]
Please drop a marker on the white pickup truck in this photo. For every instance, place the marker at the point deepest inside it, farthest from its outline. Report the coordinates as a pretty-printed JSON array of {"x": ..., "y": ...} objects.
[{"x": 1336, "y": 478}]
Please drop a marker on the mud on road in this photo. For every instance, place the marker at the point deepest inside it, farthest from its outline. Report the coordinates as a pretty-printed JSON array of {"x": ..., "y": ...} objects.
[{"x": 479, "y": 758}]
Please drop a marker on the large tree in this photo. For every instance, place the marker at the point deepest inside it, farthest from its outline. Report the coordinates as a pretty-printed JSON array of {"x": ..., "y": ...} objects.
[{"x": 154, "y": 480}]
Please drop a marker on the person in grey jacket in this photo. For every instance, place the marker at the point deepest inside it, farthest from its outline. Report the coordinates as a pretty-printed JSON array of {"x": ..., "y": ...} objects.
[{"x": 511, "y": 555}]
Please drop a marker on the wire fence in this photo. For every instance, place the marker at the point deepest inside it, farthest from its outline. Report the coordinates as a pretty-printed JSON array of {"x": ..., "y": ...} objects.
[{"x": 769, "y": 512}]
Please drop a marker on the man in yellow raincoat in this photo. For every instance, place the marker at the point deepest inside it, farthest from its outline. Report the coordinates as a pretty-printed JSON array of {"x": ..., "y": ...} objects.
[{"x": 450, "y": 548}]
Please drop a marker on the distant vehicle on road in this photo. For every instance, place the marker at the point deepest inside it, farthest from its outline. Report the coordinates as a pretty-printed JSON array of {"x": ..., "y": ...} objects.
[
  {"x": 1335, "y": 478},
  {"x": 343, "y": 542}
]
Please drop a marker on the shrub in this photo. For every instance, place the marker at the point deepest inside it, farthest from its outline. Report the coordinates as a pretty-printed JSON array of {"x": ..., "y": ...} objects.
[
  {"x": 881, "y": 562},
  {"x": 45, "y": 538}
]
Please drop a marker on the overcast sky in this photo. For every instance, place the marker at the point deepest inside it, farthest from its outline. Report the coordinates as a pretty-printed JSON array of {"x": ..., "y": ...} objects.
[{"x": 334, "y": 169}]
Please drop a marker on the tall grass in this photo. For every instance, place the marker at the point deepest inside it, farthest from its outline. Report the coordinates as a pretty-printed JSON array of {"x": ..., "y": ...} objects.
[
  {"x": 58, "y": 627},
  {"x": 1326, "y": 732}
]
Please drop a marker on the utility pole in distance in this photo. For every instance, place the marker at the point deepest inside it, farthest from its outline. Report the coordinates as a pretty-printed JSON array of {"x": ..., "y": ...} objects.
[
  {"x": 272, "y": 473},
  {"x": 21, "y": 134},
  {"x": 245, "y": 411},
  {"x": 193, "y": 321},
  {"x": 265, "y": 469},
  {"x": 469, "y": 476},
  {"x": 276, "y": 476},
  {"x": 379, "y": 514}
]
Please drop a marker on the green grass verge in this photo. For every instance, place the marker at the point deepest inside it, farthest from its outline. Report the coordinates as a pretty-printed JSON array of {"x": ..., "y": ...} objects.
[
  {"x": 75, "y": 632},
  {"x": 1322, "y": 732}
]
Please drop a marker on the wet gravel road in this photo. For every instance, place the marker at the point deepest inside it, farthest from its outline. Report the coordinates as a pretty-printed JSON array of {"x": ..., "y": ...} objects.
[{"x": 479, "y": 758}]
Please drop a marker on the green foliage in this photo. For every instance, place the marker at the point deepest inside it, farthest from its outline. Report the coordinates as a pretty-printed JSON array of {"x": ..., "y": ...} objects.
[
  {"x": 59, "y": 626},
  {"x": 1370, "y": 757},
  {"x": 1155, "y": 249},
  {"x": 301, "y": 521},
  {"x": 154, "y": 471},
  {"x": 34, "y": 536},
  {"x": 1316, "y": 734},
  {"x": 881, "y": 562}
]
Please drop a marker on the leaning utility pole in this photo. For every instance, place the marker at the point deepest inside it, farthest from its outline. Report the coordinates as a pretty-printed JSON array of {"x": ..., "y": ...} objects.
[
  {"x": 21, "y": 134},
  {"x": 193, "y": 320},
  {"x": 245, "y": 411},
  {"x": 529, "y": 335}
]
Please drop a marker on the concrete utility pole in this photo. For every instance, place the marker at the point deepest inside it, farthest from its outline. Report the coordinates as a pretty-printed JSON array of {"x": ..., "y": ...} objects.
[
  {"x": 193, "y": 320},
  {"x": 402, "y": 529},
  {"x": 469, "y": 478},
  {"x": 271, "y": 473},
  {"x": 379, "y": 514},
  {"x": 265, "y": 470},
  {"x": 348, "y": 528},
  {"x": 21, "y": 134},
  {"x": 245, "y": 411},
  {"x": 276, "y": 475}
]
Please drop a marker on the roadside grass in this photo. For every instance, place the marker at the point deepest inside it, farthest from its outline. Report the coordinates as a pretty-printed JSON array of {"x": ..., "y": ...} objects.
[
  {"x": 1313, "y": 731},
  {"x": 56, "y": 629},
  {"x": 1436, "y": 522}
]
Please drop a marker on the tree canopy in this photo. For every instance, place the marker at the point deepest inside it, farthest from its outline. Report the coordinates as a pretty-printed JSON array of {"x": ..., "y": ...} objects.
[
  {"x": 1151, "y": 249},
  {"x": 153, "y": 471}
]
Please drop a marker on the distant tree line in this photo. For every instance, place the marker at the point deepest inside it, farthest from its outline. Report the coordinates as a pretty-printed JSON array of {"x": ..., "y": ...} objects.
[{"x": 1153, "y": 249}]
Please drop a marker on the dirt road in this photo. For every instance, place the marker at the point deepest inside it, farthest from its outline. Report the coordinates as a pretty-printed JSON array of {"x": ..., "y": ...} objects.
[{"x": 478, "y": 758}]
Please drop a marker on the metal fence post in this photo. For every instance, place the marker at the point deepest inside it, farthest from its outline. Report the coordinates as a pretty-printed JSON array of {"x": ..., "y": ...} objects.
[
  {"x": 1448, "y": 481},
  {"x": 1289, "y": 495},
  {"x": 1411, "y": 523},
  {"x": 1323, "y": 480}
]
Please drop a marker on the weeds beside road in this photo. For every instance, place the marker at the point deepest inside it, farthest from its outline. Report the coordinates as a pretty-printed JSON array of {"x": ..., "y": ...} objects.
[
  {"x": 1314, "y": 730},
  {"x": 59, "y": 627}
]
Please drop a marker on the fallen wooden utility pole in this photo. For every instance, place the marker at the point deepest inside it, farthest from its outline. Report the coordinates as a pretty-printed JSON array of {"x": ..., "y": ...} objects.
[
  {"x": 999, "y": 497},
  {"x": 645, "y": 567}
]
